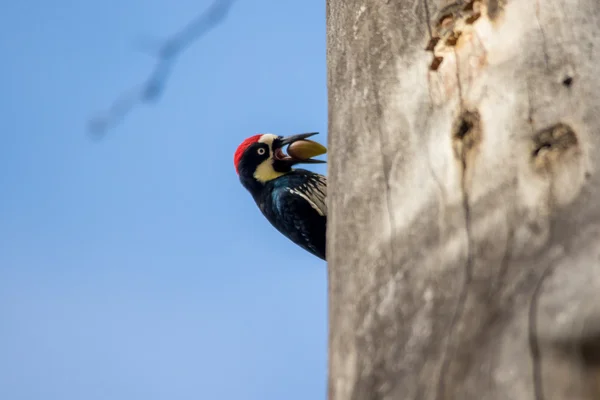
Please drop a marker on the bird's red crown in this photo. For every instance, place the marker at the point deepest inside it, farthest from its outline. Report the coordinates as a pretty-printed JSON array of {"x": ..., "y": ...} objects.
[{"x": 239, "y": 152}]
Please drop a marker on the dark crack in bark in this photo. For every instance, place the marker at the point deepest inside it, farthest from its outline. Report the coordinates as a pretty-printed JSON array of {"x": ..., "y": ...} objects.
[
  {"x": 460, "y": 306},
  {"x": 428, "y": 17},
  {"x": 468, "y": 267},
  {"x": 504, "y": 263},
  {"x": 388, "y": 197},
  {"x": 459, "y": 85},
  {"x": 534, "y": 346},
  {"x": 544, "y": 43}
]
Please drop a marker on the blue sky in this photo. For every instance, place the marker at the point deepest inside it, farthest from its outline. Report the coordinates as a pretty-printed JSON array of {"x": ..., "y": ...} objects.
[{"x": 137, "y": 267}]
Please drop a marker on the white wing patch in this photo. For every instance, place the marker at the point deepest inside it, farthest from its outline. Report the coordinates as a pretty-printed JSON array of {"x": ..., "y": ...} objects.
[{"x": 315, "y": 193}]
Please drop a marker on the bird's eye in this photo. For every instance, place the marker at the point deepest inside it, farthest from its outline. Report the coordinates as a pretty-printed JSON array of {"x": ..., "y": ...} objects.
[{"x": 261, "y": 151}]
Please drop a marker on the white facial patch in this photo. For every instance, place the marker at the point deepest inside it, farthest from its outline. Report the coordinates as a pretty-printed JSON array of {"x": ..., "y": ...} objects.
[
  {"x": 265, "y": 171},
  {"x": 267, "y": 138}
]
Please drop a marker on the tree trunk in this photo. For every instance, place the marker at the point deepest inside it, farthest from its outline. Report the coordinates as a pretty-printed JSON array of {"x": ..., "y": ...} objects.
[{"x": 464, "y": 198}]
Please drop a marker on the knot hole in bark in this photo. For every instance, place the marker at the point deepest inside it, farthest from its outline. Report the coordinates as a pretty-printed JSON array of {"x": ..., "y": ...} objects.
[
  {"x": 448, "y": 26},
  {"x": 551, "y": 143},
  {"x": 557, "y": 158},
  {"x": 589, "y": 348},
  {"x": 466, "y": 134},
  {"x": 582, "y": 351}
]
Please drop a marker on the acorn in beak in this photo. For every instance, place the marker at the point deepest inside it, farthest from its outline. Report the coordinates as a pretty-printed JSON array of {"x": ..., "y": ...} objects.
[{"x": 300, "y": 150}]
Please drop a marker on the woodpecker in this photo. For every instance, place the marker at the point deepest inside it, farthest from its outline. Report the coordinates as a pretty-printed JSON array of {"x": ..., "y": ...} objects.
[{"x": 292, "y": 200}]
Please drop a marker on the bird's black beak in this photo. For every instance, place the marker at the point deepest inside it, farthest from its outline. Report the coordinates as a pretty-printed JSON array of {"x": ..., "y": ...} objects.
[{"x": 299, "y": 151}]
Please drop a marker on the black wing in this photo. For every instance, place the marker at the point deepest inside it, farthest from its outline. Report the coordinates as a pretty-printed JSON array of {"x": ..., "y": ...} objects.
[{"x": 299, "y": 210}]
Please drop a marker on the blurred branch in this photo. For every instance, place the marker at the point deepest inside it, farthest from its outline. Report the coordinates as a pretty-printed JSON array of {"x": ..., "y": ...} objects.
[{"x": 167, "y": 54}]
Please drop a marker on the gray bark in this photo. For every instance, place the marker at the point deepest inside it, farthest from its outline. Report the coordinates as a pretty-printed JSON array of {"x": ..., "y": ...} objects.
[{"x": 464, "y": 199}]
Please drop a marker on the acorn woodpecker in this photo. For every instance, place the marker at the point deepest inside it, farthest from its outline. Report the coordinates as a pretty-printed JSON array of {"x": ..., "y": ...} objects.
[{"x": 292, "y": 200}]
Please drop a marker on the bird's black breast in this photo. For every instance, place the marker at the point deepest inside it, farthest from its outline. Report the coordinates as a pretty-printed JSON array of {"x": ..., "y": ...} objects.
[{"x": 295, "y": 205}]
